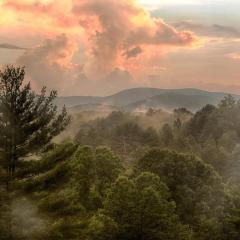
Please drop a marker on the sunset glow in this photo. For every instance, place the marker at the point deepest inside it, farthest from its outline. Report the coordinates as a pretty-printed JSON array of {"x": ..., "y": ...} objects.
[{"x": 84, "y": 42}]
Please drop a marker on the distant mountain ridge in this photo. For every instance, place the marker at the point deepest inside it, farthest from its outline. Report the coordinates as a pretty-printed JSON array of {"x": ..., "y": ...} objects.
[{"x": 138, "y": 99}]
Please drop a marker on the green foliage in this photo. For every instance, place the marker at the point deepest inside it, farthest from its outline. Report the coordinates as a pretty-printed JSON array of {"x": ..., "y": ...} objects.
[
  {"x": 195, "y": 187},
  {"x": 119, "y": 131},
  {"x": 58, "y": 154},
  {"x": 142, "y": 209},
  {"x": 167, "y": 136},
  {"x": 28, "y": 121},
  {"x": 83, "y": 166},
  {"x": 232, "y": 225},
  {"x": 102, "y": 227},
  {"x": 108, "y": 167},
  {"x": 131, "y": 181}
]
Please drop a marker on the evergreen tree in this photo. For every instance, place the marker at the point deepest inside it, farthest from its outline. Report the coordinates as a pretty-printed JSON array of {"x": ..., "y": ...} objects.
[{"x": 28, "y": 121}]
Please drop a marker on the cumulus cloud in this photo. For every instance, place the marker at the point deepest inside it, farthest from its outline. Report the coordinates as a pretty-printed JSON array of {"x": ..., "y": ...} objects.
[
  {"x": 51, "y": 11},
  {"x": 50, "y": 64},
  {"x": 26, "y": 6},
  {"x": 114, "y": 27},
  {"x": 103, "y": 39}
]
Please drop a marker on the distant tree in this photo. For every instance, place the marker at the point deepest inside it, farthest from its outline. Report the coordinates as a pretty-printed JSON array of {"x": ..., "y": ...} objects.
[
  {"x": 228, "y": 102},
  {"x": 181, "y": 116},
  {"x": 167, "y": 136},
  {"x": 200, "y": 121},
  {"x": 28, "y": 121},
  {"x": 150, "y": 137},
  {"x": 177, "y": 123},
  {"x": 150, "y": 112},
  {"x": 128, "y": 134}
]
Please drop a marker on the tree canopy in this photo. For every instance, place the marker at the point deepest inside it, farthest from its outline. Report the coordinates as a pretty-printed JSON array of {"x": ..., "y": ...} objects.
[{"x": 128, "y": 176}]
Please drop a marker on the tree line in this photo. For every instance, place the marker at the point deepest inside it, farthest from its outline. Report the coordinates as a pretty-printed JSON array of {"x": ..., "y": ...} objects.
[{"x": 116, "y": 179}]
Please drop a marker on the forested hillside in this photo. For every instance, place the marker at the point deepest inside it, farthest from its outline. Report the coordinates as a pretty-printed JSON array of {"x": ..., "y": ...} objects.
[
  {"x": 140, "y": 99},
  {"x": 151, "y": 176}
]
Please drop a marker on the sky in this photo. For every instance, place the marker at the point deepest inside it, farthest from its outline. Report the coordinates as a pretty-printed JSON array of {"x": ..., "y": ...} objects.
[{"x": 99, "y": 47}]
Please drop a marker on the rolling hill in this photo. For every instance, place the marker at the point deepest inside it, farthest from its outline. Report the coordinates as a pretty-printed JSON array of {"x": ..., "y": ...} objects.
[{"x": 140, "y": 99}]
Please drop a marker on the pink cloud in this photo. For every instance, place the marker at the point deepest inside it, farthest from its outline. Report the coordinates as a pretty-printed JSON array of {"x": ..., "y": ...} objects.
[
  {"x": 235, "y": 55},
  {"x": 112, "y": 34},
  {"x": 114, "y": 27}
]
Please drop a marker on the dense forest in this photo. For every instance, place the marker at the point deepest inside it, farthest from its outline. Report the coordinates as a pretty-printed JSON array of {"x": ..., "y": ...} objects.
[{"x": 149, "y": 176}]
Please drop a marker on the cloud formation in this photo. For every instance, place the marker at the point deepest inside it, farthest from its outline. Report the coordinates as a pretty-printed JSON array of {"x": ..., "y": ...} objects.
[
  {"x": 91, "y": 38},
  {"x": 49, "y": 64},
  {"x": 114, "y": 27}
]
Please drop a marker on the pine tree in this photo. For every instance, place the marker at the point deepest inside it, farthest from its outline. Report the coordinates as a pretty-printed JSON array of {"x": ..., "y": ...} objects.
[{"x": 28, "y": 121}]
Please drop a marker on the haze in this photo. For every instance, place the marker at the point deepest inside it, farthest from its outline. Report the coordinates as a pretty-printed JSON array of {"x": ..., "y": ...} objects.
[{"x": 98, "y": 47}]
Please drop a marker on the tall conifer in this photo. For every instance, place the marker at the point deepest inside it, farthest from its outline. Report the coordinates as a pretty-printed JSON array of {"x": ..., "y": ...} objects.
[{"x": 28, "y": 121}]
